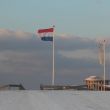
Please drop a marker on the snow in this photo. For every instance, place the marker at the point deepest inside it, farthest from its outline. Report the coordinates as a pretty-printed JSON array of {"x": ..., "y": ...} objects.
[{"x": 54, "y": 100}]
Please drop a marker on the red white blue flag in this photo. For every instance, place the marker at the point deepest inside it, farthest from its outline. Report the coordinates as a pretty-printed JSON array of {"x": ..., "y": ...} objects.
[{"x": 46, "y": 34}]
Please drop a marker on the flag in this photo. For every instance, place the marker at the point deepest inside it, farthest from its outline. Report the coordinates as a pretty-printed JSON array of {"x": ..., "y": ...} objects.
[
  {"x": 101, "y": 53},
  {"x": 46, "y": 34}
]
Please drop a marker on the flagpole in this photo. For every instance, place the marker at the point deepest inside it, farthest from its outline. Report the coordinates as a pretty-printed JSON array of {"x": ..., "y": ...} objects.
[
  {"x": 53, "y": 70},
  {"x": 104, "y": 63}
]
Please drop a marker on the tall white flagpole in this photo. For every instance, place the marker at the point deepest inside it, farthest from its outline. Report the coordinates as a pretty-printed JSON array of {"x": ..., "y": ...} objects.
[
  {"x": 104, "y": 64},
  {"x": 53, "y": 70}
]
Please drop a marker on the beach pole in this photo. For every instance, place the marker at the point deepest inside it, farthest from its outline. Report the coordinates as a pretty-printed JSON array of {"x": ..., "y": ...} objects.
[{"x": 53, "y": 68}]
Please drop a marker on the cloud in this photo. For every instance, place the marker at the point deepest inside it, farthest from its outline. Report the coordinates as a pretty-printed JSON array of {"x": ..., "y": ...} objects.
[
  {"x": 25, "y": 59},
  {"x": 80, "y": 54},
  {"x": 10, "y": 34},
  {"x": 22, "y": 62}
]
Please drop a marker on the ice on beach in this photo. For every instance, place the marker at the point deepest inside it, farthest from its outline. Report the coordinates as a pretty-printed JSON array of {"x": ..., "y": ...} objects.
[{"x": 54, "y": 100}]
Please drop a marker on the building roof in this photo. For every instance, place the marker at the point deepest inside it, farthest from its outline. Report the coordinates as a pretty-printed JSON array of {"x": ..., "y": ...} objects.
[
  {"x": 93, "y": 78},
  {"x": 54, "y": 100},
  {"x": 12, "y": 87}
]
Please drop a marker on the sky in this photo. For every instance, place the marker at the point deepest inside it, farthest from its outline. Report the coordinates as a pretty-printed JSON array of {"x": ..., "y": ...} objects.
[
  {"x": 79, "y": 25},
  {"x": 88, "y": 18}
]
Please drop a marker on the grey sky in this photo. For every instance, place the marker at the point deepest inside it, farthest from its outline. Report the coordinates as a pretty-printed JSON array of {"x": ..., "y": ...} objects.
[{"x": 25, "y": 59}]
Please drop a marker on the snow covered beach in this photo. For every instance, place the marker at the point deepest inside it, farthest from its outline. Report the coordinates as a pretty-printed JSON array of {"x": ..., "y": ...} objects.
[{"x": 54, "y": 100}]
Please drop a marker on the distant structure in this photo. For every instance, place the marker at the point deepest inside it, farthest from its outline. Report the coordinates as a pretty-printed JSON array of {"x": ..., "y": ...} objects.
[
  {"x": 97, "y": 83},
  {"x": 12, "y": 87},
  {"x": 63, "y": 87}
]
